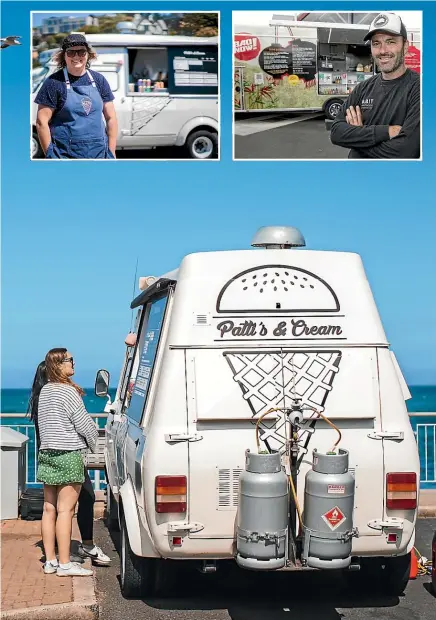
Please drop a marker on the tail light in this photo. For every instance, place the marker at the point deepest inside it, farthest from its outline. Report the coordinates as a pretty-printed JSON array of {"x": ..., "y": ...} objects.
[
  {"x": 170, "y": 493},
  {"x": 401, "y": 491}
]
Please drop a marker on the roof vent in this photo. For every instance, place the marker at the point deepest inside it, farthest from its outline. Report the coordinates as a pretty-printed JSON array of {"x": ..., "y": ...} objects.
[{"x": 278, "y": 238}]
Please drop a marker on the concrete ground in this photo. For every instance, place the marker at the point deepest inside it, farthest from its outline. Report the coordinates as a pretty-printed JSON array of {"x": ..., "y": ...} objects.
[
  {"x": 286, "y": 136},
  {"x": 240, "y": 595}
]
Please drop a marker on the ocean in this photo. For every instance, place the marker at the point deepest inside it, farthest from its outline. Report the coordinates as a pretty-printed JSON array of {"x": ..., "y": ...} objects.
[
  {"x": 15, "y": 400},
  {"x": 423, "y": 400}
]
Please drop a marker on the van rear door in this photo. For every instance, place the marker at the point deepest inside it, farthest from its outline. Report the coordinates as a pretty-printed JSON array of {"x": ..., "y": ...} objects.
[{"x": 229, "y": 389}]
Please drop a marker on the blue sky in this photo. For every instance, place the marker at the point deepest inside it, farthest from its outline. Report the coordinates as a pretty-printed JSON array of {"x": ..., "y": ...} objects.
[{"x": 72, "y": 231}]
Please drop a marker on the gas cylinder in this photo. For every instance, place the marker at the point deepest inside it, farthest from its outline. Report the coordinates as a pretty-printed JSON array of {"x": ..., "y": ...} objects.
[
  {"x": 262, "y": 513},
  {"x": 328, "y": 511}
]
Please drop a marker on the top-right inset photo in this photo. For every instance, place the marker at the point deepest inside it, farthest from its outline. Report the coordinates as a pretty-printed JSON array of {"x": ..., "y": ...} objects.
[{"x": 328, "y": 86}]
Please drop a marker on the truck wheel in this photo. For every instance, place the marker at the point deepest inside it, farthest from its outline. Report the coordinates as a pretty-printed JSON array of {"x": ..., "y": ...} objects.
[
  {"x": 137, "y": 574},
  {"x": 332, "y": 108},
  {"x": 36, "y": 150},
  {"x": 111, "y": 511},
  {"x": 388, "y": 576},
  {"x": 202, "y": 144}
]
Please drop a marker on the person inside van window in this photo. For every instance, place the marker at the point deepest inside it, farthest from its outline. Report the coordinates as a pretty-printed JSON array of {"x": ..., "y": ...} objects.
[
  {"x": 65, "y": 430},
  {"x": 381, "y": 117},
  {"x": 73, "y": 105}
]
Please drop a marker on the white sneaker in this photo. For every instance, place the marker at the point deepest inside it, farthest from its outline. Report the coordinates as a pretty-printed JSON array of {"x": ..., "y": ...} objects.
[
  {"x": 74, "y": 570},
  {"x": 96, "y": 554},
  {"x": 50, "y": 567}
]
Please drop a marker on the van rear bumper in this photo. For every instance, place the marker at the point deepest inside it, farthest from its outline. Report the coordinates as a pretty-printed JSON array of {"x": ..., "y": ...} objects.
[{"x": 225, "y": 548}]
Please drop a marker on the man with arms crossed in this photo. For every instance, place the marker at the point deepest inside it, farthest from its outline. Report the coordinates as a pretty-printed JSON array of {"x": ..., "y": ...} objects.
[{"x": 381, "y": 117}]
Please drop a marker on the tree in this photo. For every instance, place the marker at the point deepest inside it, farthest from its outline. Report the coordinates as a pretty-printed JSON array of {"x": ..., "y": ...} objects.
[{"x": 191, "y": 24}]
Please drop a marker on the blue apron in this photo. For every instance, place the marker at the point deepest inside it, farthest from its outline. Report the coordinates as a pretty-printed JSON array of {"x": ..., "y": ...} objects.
[{"x": 78, "y": 130}]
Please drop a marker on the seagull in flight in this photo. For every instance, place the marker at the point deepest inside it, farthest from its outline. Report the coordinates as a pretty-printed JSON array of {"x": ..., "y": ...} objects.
[{"x": 9, "y": 41}]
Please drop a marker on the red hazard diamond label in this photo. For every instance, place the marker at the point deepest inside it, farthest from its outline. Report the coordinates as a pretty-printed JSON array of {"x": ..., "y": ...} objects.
[{"x": 334, "y": 518}]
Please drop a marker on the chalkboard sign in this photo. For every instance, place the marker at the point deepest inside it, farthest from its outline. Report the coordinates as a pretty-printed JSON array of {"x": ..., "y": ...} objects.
[
  {"x": 275, "y": 60},
  {"x": 193, "y": 70},
  {"x": 303, "y": 59}
]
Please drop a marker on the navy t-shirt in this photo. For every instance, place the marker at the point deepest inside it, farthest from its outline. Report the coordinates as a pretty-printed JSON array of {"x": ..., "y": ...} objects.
[{"x": 53, "y": 92}]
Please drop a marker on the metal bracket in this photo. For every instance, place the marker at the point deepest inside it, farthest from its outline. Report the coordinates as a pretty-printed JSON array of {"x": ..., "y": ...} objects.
[
  {"x": 395, "y": 435},
  {"x": 178, "y": 437},
  {"x": 392, "y": 524},
  {"x": 180, "y": 526}
]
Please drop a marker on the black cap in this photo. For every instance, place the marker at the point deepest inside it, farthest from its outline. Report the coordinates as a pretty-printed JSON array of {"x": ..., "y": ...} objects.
[
  {"x": 387, "y": 22},
  {"x": 74, "y": 39}
]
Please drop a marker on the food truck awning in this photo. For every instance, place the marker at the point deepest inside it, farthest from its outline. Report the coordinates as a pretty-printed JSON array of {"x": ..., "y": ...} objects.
[
  {"x": 342, "y": 35},
  {"x": 346, "y": 18}
]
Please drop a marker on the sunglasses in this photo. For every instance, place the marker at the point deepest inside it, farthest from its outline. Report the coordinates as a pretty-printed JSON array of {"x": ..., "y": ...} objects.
[
  {"x": 68, "y": 359},
  {"x": 81, "y": 53}
]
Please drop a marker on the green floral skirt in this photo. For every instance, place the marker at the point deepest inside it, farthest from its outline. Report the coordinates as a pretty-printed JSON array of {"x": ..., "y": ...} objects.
[{"x": 60, "y": 467}]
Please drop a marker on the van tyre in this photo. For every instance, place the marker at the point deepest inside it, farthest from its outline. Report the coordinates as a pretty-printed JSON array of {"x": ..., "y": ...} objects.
[
  {"x": 332, "y": 108},
  {"x": 112, "y": 521},
  {"x": 202, "y": 144},
  {"x": 137, "y": 575},
  {"x": 37, "y": 152}
]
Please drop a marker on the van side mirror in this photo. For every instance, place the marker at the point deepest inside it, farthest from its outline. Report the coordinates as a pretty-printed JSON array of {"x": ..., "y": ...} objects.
[{"x": 102, "y": 383}]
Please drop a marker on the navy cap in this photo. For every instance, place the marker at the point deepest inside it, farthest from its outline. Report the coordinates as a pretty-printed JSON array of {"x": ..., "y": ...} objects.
[
  {"x": 387, "y": 22},
  {"x": 74, "y": 39}
]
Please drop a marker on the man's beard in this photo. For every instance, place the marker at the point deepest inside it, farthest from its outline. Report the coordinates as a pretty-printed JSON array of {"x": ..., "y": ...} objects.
[{"x": 398, "y": 62}]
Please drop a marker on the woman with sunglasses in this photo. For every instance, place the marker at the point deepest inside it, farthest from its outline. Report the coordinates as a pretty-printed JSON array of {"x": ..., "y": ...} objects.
[
  {"x": 66, "y": 430},
  {"x": 73, "y": 105},
  {"x": 85, "y": 513}
]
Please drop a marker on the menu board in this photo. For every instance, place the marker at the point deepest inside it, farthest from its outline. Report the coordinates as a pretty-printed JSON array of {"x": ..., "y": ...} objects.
[
  {"x": 147, "y": 351},
  {"x": 303, "y": 59},
  {"x": 193, "y": 70},
  {"x": 275, "y": 60}
]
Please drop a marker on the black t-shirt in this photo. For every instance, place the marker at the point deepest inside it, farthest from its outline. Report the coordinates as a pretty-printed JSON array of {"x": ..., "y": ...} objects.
[
  {"x": 53, "y": 92},
  {"x": 383, "y": 103}
]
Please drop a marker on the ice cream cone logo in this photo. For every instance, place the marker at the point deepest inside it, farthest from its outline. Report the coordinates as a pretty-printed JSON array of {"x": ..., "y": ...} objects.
[{"x": 271, "y": 380}]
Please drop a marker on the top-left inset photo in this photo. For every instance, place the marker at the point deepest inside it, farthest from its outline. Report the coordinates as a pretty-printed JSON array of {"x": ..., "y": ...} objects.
[{"x": 125, "y": 86}]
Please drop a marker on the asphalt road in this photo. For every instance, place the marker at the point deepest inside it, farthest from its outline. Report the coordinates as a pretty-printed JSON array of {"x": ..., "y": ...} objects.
[
  {"x": 241, "y": 595},
  {"x": 307, "y": 139}
]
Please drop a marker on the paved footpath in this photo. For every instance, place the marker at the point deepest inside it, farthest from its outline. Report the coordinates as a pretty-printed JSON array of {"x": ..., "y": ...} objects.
[{"x": 29, "y": 593}]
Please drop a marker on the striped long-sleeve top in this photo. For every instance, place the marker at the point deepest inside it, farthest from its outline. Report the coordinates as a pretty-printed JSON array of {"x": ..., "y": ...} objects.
[{"x": 63, "y": 422}]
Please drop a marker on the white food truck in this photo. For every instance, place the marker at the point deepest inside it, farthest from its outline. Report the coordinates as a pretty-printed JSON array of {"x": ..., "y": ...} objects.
[
  {"x": 302, "y": 66},
  {"x": 249, "y": 373},
  {"x": 165, "y": 88}
]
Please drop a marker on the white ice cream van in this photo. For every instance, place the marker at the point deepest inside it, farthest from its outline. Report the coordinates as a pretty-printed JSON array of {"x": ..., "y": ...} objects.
[
  {"x": 165, "y": 88},
  {"x": 260, "y": 418}
]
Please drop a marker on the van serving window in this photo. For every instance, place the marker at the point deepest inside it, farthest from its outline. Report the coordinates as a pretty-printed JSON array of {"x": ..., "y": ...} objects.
[
  {"x": 148, "y": 69},
  {"x": 161, "y": 286},
  {"x": 145, "y": 356}
]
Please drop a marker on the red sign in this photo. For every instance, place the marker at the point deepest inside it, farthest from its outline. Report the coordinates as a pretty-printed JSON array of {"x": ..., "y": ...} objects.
[
  {"x": 334, "y": 518},
  {"x": 247, "y": 46},
  {"x": 413, "y": 59}
]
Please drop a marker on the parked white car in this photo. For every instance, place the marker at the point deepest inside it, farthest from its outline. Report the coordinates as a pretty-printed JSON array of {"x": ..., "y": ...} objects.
[
  {"x": 176, "y": 106},
  {"x": 226, "y": 350}
]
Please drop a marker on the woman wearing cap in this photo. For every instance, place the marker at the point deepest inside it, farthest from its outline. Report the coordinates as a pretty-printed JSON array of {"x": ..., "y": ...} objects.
[{"x": 73, "y": 105}]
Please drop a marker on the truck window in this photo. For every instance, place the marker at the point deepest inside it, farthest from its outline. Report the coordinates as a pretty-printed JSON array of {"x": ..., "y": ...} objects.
[
  {"x": 145, "y": 357},
  {"x": 148, "y": 63}
]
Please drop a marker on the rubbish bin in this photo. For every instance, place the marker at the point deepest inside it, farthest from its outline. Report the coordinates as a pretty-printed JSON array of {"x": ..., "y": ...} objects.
[{"x": 13, "y": 470}]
